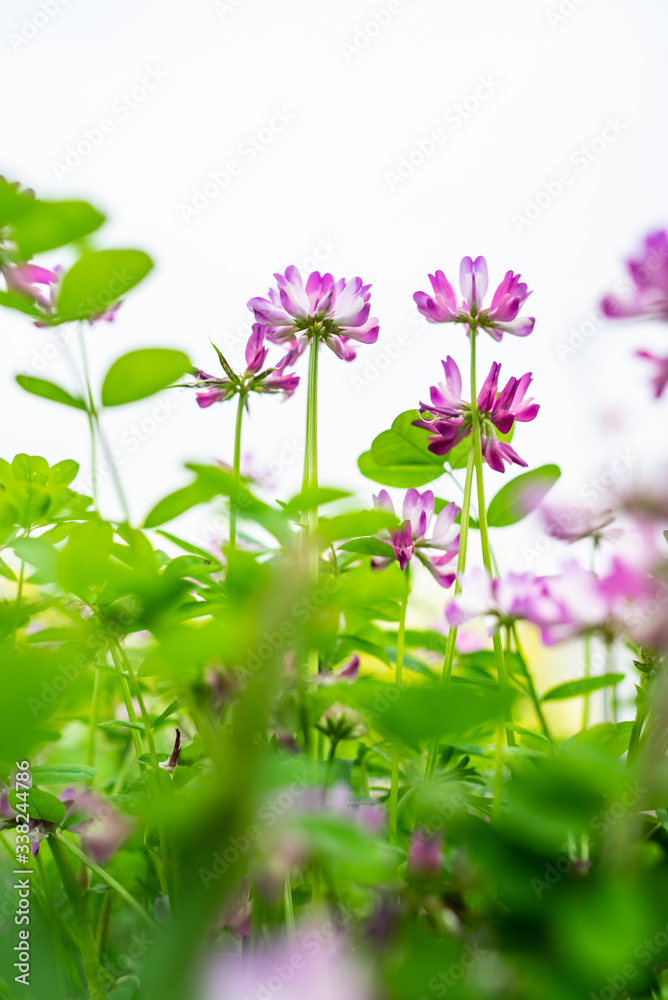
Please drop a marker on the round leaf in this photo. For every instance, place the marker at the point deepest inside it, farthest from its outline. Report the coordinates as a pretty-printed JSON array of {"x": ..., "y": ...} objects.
[
  {"x": 142, "y": 373},
  {"x": 520, "y": 496},
  {"x": 98, "y": 279}
]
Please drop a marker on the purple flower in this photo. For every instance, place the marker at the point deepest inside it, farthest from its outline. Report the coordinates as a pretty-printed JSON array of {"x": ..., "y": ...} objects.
[
  {"x": 103, "y": 829},
  {"x": 659, "y": 379},
  {"x": 569, "y": 524},
  {"x": 254, "y": 379},
  {"x": 649, "y": 282},
  {"x": 425, "y": 854},
  {"x": 32, "y": 282},
  {"x": 563, "y": 606},
  {"x": 172, "y": 761},
  {"x": 449, "y": 418},
  {"x": 337, "y": 311},
  {"x": 409, "y": 539},
  {"x": 315, "y": 963},
  {"x": 502, "y": 315}
]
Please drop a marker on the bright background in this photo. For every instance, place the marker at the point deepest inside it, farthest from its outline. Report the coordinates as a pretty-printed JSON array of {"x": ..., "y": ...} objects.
[{"x": 520, "y": 90}]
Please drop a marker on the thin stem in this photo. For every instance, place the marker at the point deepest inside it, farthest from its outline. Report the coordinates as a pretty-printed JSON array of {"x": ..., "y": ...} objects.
[
  {"x": 163, "y": 859},
  {"x": 101, "y": 873},
  {"x": 394, "y": 779},
  {"x": 84, "y": 929},
  {"x": 587, "y": 673},
  {"x": 92, "y": 726},
  {"x": 532, "y": 689},
  {"x": 19, "y": 598},
  {"x": 236, "y": 475},
  {"x": 55, "y": 924},
  {"x": 638, "y": 723},
  {"x": 118, "y": 486},
  {"x": 484, "y": 533},
  {"x": 91, "y": 413},
  {"x": 289, "y": 908}
]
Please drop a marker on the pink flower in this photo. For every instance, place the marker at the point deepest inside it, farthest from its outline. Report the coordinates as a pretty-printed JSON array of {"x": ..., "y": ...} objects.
[
  {"x": 502, "y": 315},
  {"x": 572, "y": 524},
  {"x": 425, "y": 854},
  {"x": 32, "y": 282},
  {"x": 563, "y": 606},
  {"x": 254, "y": 379},
  {"x": 410, "y": 539},
  {"x": 649, "y": 277},
  {"x": 449, "y": 418},
  {"x": 39, "y": 284},
  {"x": 312, "y": 964},
  {"x": 337, "y": 311},
  {"x": 659, "y": 379}
]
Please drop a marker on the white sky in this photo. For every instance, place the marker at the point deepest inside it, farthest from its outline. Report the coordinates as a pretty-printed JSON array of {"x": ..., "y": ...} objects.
[{"x": 546, "y": 86}]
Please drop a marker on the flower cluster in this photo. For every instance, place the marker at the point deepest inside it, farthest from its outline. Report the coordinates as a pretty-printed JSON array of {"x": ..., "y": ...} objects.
[
  {"x": 449, "y": 418},
  {"x": 564, "y": 606},
  {"x": 648, "y": 298},
  {"x": 255, "y": 378},
  {"x": 334, "y": 311},
  {"x": 409, "y": 539},
  {"x": 502, "y": 315},
  {"x": 39, "y": 286}
]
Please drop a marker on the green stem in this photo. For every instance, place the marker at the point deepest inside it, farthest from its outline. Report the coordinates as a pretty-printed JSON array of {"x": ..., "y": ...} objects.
[
  {"x": 309, "y": 539},
  {"x": 638, "y": 723},
  {"x": 394, "y": 779},
  {"x": 82, "y": 922},
  {"x": 163, "y": 860},
  {"x": 91, "y": 413},
  {"x": 92, "y": 726},
  {"x": 236, "y": 475},
  {"x": 55, "y": 925},
  {"x": 538, "y": 708},
  {"x": 118, "y": 486},
  {"x": 289, "y": 908},
  {"x": 100, "y": 872},
  {"x": 484, "y": 534},
  {"x": 587, "y": 673}
]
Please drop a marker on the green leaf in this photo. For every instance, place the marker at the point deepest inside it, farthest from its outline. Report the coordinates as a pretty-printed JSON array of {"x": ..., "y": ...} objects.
[
  {"x": 44, "y": 225},
  {"x": 98, "y": 279},
  {"x": 49, "y": 390},
  {"x": 30, "y": 469},
  {"x": 609, "y": 738},
  {"x": 41, "y": 806},
  {"x": 520, "y": 496},
  {"x": 24, "y": 305},
  {"x": 308, "y": 499},
  {"x": 582, "y": 686},
  {"x": 116, "y": 724},
  {"x": 62, "y": 473},
  {"x": 354, "y": 525},
  {"x": 142, "y": 373},
  {"x": 369, "y": 547},
  {"x": 61, "y": 774},
  {"x": 177, "y": 503},
  {"x": 400, "y": 457},
  {"x": 6, "y": 571}
]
